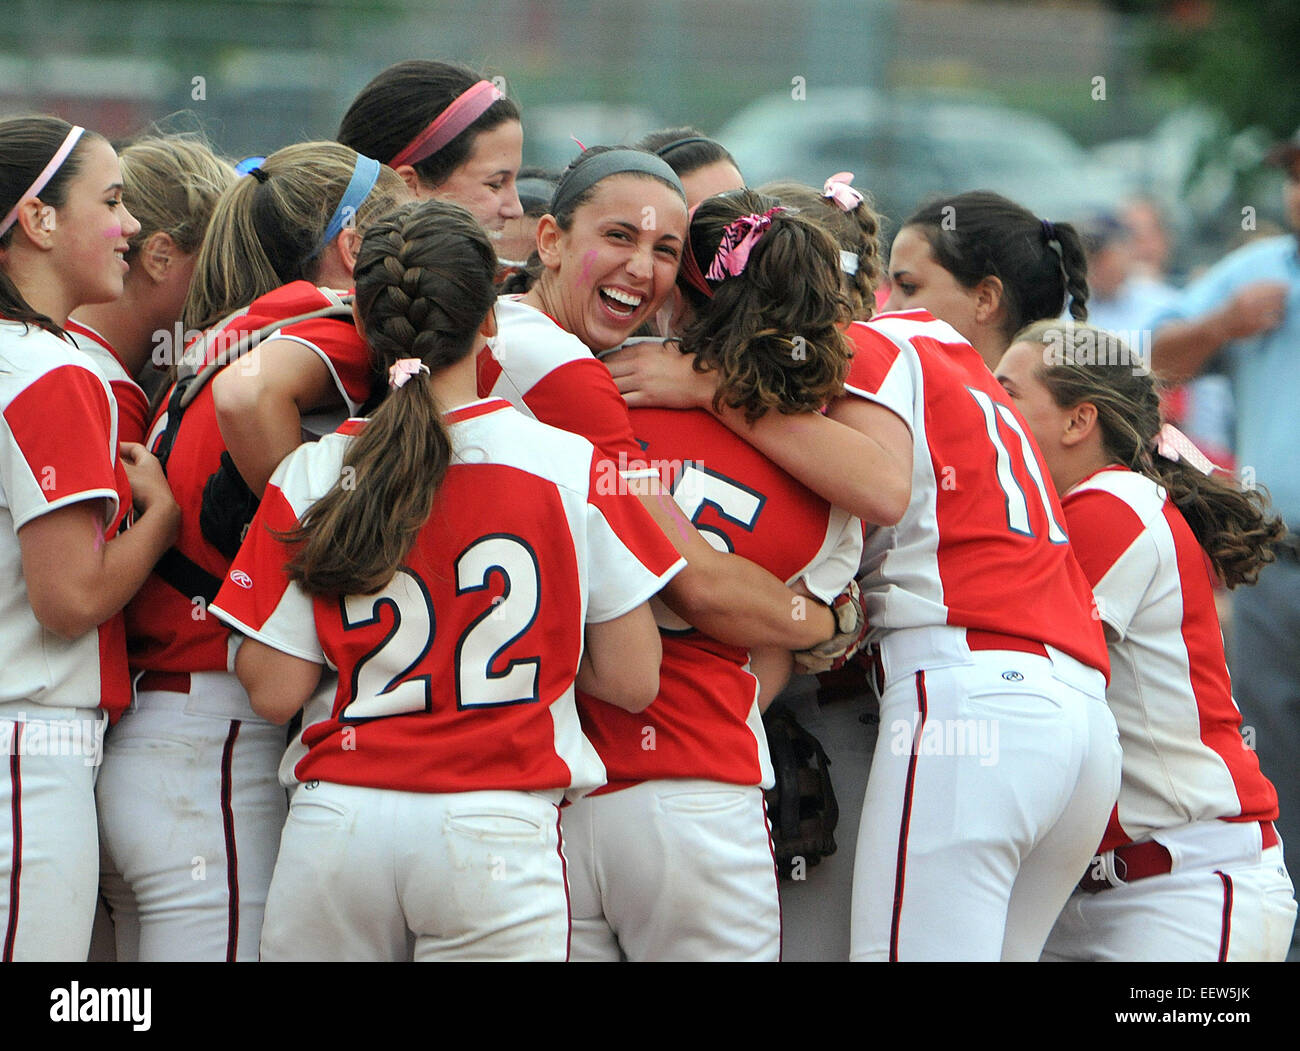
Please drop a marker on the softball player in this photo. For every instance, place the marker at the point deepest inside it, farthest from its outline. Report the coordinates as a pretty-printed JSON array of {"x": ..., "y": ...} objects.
[
  {"x": 446, "y": 132},
  {"x": 951, "y": 642},
  {"x": 65, "y": 488},
  {"x": 601, "y": 272},
  {"x": 988, "y": 267},
  {"x": 1190, "y": 866},
  {"x": 190, "y": 806},
  {"x": 673, "y": 860},
  {"x": 170, "y": 184},
  {"x": 430, "y": 802}
]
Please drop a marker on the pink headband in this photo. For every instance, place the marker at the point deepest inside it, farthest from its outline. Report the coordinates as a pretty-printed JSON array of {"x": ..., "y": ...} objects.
[
  {"x": 463, "y": 111},
  {"x": 34, "y": 190},
  {"x": 738, "y": 240},
  {"x": 837, "y": 188}
]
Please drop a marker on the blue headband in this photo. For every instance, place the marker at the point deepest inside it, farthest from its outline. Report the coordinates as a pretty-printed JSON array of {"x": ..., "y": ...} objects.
[{"x": 364, "y": 176}]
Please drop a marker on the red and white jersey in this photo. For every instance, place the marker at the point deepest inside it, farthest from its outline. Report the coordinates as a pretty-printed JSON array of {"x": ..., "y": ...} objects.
[
  {"x": 458, "y": 675},
  {"x": 982, "y": 544},
  {"x": 1180, "y": 730},
  {"x": 169, "y": 631},
  {"x": 552, "y": 376},
  {"x": 132, "y": 402},
  {"x": 58, "y": 446},
  {"x": 705, "y": 722}
]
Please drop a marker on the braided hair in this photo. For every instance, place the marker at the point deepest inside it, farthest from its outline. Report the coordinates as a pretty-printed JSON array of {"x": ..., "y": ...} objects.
[
  {"x": 424, "y": 285},
  {"x": 857, "y": 232},
  {"x": 982, "y": 234},
  {"x": 1082, "y": 363}
]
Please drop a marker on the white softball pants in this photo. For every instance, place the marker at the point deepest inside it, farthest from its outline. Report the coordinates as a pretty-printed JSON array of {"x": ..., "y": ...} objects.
[{"x": 990, "y": 787}]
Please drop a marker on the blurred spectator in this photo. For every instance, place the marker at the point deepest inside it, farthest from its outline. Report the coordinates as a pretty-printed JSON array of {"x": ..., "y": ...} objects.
[
  {"x": 1242, "y": 319},
  {"x": 1150, "y": 245}
]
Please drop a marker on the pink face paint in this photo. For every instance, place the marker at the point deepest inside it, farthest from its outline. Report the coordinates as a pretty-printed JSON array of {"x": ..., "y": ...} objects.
[
  {"x": 99, "y": 536},
  {"x": 587, "y": 260},
  {"x": 113, "y": 233}
]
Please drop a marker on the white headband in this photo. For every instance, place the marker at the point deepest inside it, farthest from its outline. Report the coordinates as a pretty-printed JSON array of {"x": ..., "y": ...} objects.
[{"x": 34, "y": 190}]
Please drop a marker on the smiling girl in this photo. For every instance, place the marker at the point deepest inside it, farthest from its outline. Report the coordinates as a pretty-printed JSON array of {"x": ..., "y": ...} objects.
[{"x": 65, "y": 488}]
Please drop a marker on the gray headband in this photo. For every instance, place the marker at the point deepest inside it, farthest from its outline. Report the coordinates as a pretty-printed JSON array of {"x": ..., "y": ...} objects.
[{"x": 612, "y": 162}]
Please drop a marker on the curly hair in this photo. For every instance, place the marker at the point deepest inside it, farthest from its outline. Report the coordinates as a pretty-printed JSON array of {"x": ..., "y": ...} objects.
[{"x": 774, "y": 333}]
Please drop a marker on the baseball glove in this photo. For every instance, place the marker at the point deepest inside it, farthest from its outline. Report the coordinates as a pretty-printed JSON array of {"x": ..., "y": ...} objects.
[{"x": 801, "y": 804}]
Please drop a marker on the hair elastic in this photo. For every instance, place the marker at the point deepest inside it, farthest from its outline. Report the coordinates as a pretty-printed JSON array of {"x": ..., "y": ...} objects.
[
  {"x": 403, "y": 369},
  {"x": 364, "y": 175},
  {"x": 460, "y": 113},
  {"x": 584, "y": 175},
  {"x": 47, "y": 173},
  {"x": 249, "y": 166},
  {"x": 849, "y": 262},
  {"x": 738, "y": 240},
  {"x": 837, "y": 189},
  {"x": 1174, "y": 445}
]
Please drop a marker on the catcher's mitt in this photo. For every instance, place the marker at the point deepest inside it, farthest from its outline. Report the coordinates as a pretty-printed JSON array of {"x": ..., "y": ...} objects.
[{"x": 801, "y": 805}]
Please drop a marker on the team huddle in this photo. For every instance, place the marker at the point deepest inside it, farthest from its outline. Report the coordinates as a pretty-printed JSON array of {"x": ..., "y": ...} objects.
[{"x": 424, "y": 601}]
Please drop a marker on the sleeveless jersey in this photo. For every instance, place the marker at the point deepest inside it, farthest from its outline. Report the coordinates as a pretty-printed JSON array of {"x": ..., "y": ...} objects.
[{"x": 169, "y": 631}]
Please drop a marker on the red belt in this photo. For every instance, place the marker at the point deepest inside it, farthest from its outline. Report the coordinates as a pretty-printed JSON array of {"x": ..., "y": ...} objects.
[
  {"x": 164, "y": 682},
  {"x": 995, "y": 640},
  {"x": 1136, "y": 861}
]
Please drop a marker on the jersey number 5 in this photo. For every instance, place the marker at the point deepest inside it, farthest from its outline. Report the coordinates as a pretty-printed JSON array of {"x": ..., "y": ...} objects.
[{"x": 377, "y": 693}]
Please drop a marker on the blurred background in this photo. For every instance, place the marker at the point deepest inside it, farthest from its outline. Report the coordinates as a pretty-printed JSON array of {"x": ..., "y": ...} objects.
[{"x": 1072, "y": 108}]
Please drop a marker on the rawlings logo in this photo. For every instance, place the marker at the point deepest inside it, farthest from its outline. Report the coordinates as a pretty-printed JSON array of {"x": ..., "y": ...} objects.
[{"x": 241, "y": 578}]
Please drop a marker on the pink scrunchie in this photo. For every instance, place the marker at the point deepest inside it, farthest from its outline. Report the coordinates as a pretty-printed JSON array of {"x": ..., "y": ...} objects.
[
  {"x": 403, "y": 369},
  {"x": 738, "y": 240}
]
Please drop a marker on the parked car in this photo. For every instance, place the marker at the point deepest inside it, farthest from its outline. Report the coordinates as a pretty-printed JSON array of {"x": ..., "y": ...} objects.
[{"x": 906, "y": 147}]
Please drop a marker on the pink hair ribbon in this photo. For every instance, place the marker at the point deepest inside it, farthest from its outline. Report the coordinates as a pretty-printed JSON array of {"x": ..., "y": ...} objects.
[
  {"x": 738, "y": 240},
  {"x": 403, "y": 369},
  {"x": 837, "y": 188},
  {"x": 463, "y": 111},
  {"x": 34, "y": 190},
  {"x": 1173, "y": 444}
]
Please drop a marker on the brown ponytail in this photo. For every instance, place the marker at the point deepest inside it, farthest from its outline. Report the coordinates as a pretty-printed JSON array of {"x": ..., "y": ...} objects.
[
  {"x": 773, "y": 333},
  {"x": 1082, "y": 363},
  {"x": 424, "y": 278},
  {"x": 266, "y": 230}
]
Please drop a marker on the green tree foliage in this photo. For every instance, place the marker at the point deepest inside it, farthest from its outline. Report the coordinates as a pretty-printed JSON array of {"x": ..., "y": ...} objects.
[{"x": 1241, "y": 57}]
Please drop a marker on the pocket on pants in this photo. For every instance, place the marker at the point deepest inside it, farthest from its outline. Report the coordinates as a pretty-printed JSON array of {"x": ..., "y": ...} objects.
[
  {"x": 706, "y": 801},
  {"x": 490, "y": 825}
]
